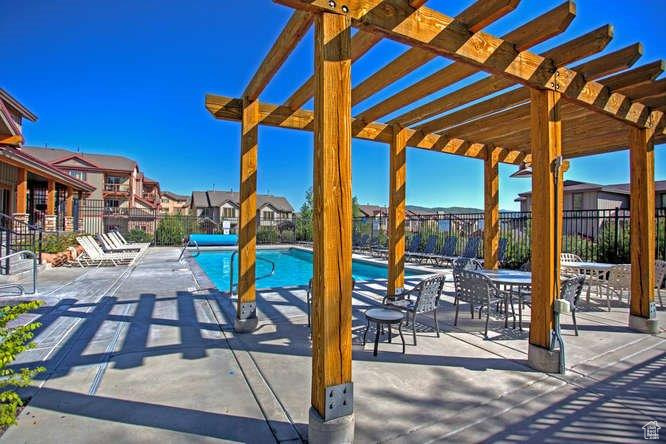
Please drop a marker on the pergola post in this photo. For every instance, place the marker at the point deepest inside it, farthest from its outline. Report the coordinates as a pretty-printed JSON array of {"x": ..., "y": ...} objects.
[
  {"x": 396, "y": 210},
  {"x": 491, "y": 209},
  {"x": 21, "y": 210},
  {"x": 69, "y": 210},
  {"x": 331, "y": 415},
  {"x": 642, "y": 315},
  {"x": 50, "y": 219},
  {"x": 246, "y": 310},
  {"x": 546, "y": 139}
]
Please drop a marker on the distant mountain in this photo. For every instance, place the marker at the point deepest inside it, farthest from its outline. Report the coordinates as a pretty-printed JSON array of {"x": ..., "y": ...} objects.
[{"x": 446, "y": 210}]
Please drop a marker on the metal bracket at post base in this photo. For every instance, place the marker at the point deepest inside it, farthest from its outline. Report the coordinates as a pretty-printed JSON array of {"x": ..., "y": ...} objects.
[
  {"x": 339, "y": 401},
  {"x": 246, "y": 319}
]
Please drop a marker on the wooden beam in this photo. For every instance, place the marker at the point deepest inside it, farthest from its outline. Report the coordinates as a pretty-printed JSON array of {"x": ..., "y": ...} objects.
[
  {"x": 332, "y": 215},
  {"x": 641, "y": 153},
  {"x": 491, "y": 209},
  {"x": 646, "y": 90},
  {"x": 226, "y": 108},
  {"x": 477, "y": 16},
  {"x": 611, "y": 63},
  {"x": 246, "y": 315},
  {"x": 636, "y": 76},
  {"x": 431, "y": 30},
  {"x": 546, "y": 214},
  {"x": 11, "y": 140},
  {"x": 50, "y": 198},
  {"x": 568, "y": 52},
  {"x": 22, "y": 192},
  {"x": 362, "y": 42},
  {"x": 538, "y": 30},
  {"x": 293, "y": 32},
  {"x": 396, "y": 210}
]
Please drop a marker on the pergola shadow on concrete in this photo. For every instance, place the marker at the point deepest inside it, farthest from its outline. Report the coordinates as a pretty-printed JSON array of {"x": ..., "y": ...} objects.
[{"x": 534, "y": 109}]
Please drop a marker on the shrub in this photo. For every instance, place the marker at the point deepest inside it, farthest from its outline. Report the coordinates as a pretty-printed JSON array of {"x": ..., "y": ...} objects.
[
  {"x": 139, "y": 236},
  {"x": 170, "y": 231},
  {"x": 57, "y": 243},
  {"x": 267, "y": 235},
  {"x": 14, "y": 340}
]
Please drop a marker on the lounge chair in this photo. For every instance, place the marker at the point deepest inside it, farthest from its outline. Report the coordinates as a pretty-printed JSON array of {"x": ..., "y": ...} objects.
[
  {"x": 414, "y": 246},
  {"x": 501, "y": 250},
  {"x": 422, "y": 299},
  {"x": 94, "y": 255},
  {"x": 110, "y": 246},
  {"x": 470, "y": 251},
  {"x": 660, "y": 276},
  {"x": 447, "y": 253},
  {"x": 427, "y": 253},
  {"x": 122, "y": 242}
]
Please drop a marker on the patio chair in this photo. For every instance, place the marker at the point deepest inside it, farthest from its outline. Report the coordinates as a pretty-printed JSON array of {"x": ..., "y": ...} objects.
[
  {"x": 527, "y": 266},
  {"x": 122, "y": 242},
  {"x": 422, "y": 299},
  {"x": 109, "y": 246},
  {"x": 472, "y": 248},
  {"x": 459, "y": 264},
  {"x": 501, "y": 250},
  {"x": 570, "y": 290},
  {"x": 309, "y": 296},
  {"x": 618, "y": 283},
  {"x": 570, "y": 257},
  {"x": 414, "y": 246},
  {"x": 477, "y": 290},
  {"x": 94, "y": 255},
  {"x": 427, "y": 253},
  {"x": 660, "y": 276},
  {"x": 447, "y": 252}
]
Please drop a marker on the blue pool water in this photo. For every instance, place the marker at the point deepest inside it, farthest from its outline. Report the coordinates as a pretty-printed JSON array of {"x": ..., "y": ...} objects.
[{"x": 292, "y": 267}]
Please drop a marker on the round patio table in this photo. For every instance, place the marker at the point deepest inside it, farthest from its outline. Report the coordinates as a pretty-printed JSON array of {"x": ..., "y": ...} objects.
[
  {"x": 511, "y": 279},
  {"x": 384, "y": 316}
]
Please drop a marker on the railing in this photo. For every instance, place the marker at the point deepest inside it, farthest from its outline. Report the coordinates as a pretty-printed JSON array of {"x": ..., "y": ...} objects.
[
  {"x": 34, "y": 272},
  {"x": 596, "y": 235},
  {"x": 117, "y": 187},
  {"x": 231, "y": 270},
  {"x": 17, "y": 235}
]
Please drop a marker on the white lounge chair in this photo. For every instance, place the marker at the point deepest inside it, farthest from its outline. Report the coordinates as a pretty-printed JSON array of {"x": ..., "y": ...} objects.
[
  {"x": 94, "y": 255},
  {"x": 122, "y": 242},
  {"x": 112, "y": 247}
]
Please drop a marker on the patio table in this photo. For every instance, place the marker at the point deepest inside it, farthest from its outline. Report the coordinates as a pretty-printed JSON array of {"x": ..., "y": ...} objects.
[
  {"x": 511, "y": 279},
  {"x": 381, "y": 317},
  {"x": 593, "y": 272}
]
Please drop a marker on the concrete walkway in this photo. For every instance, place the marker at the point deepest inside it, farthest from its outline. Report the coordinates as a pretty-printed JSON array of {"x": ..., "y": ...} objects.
[{"x": 147, "y": 354}]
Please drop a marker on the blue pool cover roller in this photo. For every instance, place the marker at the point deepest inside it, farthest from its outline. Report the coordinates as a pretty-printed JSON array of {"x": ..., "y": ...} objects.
[{"x": 214, "y": 240}]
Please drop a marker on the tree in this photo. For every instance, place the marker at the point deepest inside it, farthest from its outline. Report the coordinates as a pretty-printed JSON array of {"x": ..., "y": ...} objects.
[
  {"x": 14, "y": 340},
  {"x": 356, "y": 209},
  {"x": 304, "y": 221}
]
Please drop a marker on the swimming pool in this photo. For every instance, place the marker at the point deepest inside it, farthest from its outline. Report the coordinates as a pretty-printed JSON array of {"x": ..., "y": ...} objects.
[{"x": 292, "y": 267}]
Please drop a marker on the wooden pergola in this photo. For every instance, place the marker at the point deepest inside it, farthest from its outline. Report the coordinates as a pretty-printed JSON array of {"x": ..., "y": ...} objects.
[{"x": 530, "y": 109}]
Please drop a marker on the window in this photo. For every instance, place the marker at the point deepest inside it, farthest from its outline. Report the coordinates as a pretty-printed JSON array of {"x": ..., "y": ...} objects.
[
  {"x": 81, "y": 175},
  {"x": 663, "y": 200},
  {"x": 577, "y": 201},
  {"x": 267, "y": 215},
  {"x": 228, "y": 213},
  {"x": 111, "y": 203}
]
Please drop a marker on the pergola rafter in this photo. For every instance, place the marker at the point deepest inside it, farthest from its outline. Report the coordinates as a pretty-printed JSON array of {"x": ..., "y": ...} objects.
[{"x": 548, "y": 111}]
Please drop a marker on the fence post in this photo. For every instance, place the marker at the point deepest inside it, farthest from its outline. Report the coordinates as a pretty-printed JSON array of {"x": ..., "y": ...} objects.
[{"x": 617, "y": 227}]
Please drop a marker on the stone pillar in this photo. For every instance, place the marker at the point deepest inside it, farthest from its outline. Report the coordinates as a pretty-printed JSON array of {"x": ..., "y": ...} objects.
[{"x": 69, "y": 223}]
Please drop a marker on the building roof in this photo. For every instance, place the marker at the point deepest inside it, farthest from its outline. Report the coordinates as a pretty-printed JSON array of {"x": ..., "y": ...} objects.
[
  {"x": 174, "y": 196},
  {"x": 203, "y": 199},
  {"x": 373, "y": 210},
  {"x": 97, "y": 161},
  {"x": 574, "y": 186},
  {"x": 17, "y": 106}
]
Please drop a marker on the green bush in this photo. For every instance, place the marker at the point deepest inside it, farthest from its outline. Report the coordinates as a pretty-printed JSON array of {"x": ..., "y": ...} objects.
[
  {"x": 267, "y": 235},
  {"x": 14, "y": 340},
  {"x": 170, "y": 231},
  {"x": 139, "y": 236},
  {"x": 57, "y": 243}
]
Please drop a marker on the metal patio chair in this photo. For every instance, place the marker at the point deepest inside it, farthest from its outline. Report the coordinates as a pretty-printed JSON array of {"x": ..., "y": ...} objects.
[
  {"x": 477, "y": 290},
  {"x": 570, "y": 290},
  {"x": 422, "y": 299}
]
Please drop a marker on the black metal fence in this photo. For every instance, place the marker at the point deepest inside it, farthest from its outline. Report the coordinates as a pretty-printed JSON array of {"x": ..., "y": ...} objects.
[
  {"x": 596, "y": 235},
  {"x": 15, "y": 236},
  {"x": 148, "y": 225}
]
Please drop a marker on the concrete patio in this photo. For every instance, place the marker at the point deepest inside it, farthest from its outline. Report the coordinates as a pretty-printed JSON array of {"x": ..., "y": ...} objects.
[{"x": 148, "y": 353}]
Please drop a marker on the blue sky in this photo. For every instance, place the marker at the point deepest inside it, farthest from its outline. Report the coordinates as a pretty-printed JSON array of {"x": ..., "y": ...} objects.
[{"x": 129, "y": 77}]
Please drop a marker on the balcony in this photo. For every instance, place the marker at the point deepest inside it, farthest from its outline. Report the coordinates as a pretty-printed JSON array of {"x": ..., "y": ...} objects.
[{"x": 117, "y": 188}]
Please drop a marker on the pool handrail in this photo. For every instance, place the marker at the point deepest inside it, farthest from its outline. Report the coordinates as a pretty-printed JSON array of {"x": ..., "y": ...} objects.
[
  {"x": 189, "y": 243},
  {"x": 231, "y": 270},
  {"x": 34, "y": 273}
]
